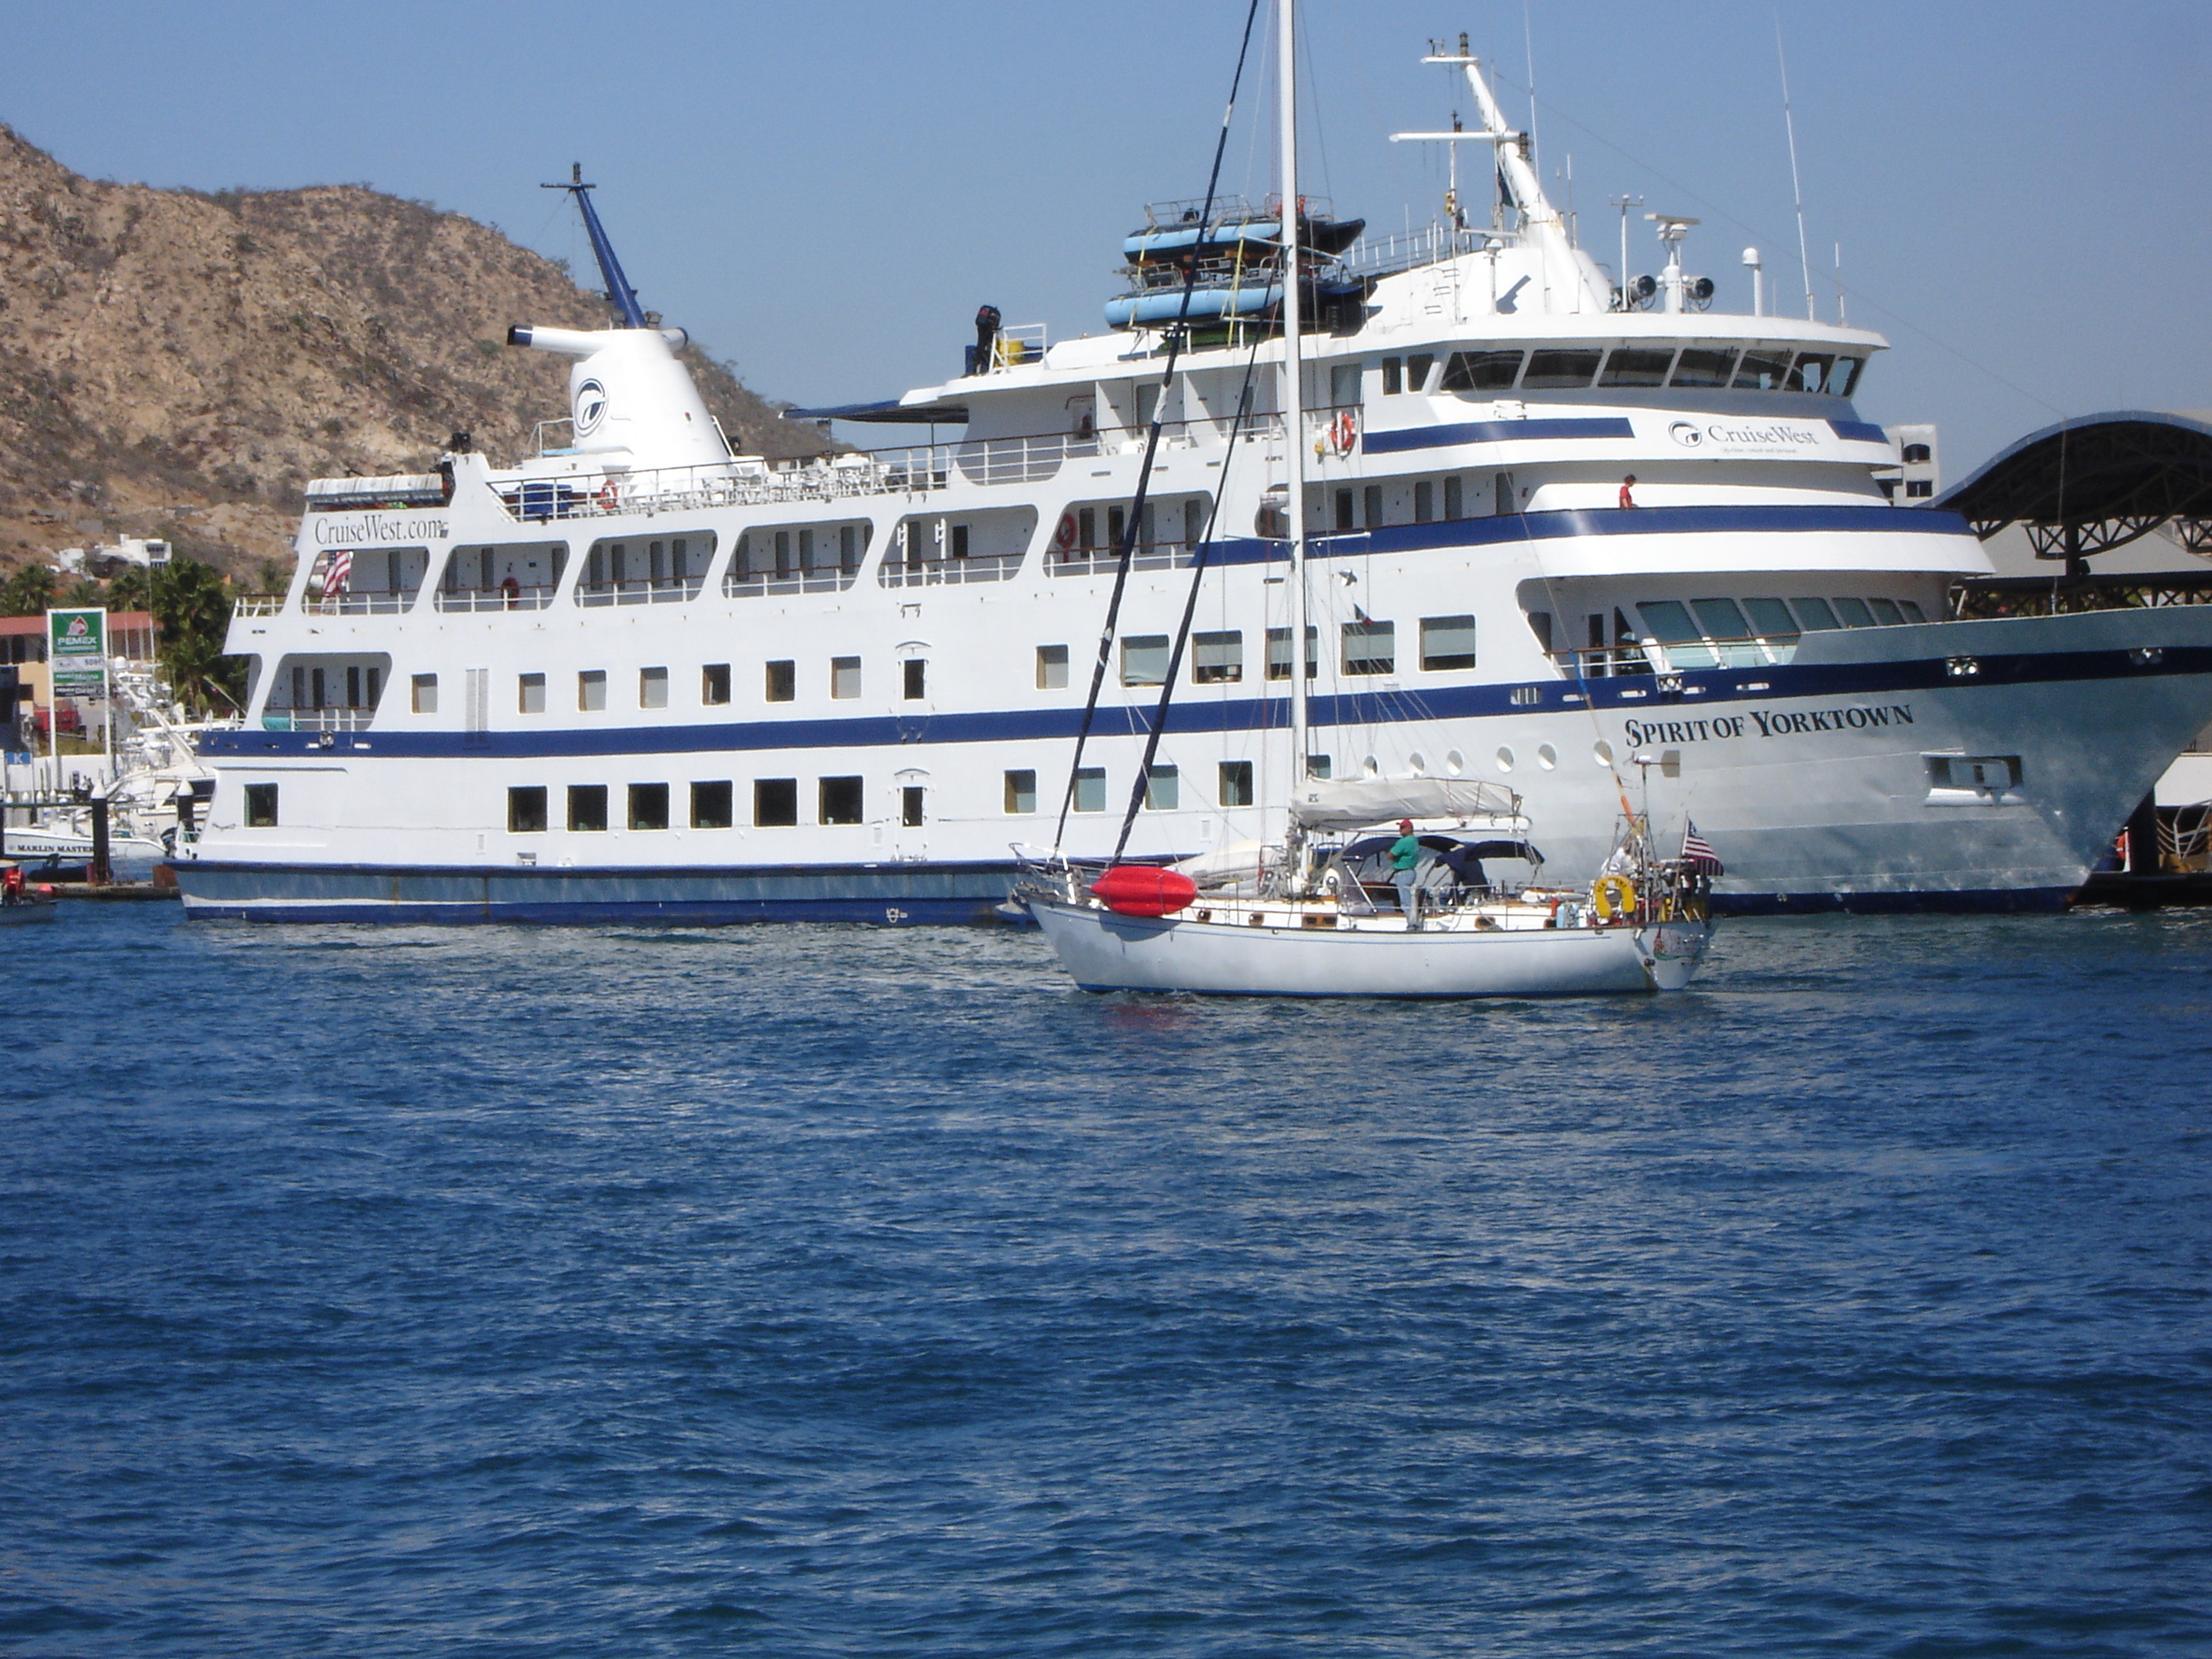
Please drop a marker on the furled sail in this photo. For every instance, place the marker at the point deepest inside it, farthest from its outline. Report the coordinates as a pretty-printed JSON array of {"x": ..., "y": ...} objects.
[{"x": 1355, "y": 802}]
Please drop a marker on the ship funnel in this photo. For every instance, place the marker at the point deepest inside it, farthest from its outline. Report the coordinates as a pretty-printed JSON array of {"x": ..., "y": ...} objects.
[{"x": 629, "y": 395}]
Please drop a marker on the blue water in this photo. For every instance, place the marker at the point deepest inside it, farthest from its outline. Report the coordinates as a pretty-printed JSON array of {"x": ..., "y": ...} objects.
[{"x": 821, "y": 1291}]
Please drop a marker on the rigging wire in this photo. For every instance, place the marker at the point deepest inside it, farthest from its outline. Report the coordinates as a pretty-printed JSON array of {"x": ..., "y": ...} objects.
[{"x": 1133, "y": 524}]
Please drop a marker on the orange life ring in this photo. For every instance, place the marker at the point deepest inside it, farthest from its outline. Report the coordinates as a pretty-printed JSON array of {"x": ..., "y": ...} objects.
[
  {"x": 607, "y": 496},
  {"x": 1063, "y": 534},
  {"x": 1343, "y": 432}
]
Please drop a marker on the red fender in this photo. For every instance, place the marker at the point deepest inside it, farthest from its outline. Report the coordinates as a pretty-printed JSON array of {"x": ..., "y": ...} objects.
[{"x": 1144, "y": 890}]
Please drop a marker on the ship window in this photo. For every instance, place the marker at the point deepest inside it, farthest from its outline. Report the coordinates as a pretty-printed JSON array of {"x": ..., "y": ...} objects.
[
  {"x": 1236, "y": 783},
  {"x": 1843, "y": 380},
  {"x": 1278, "y": 652},
  {"x": 1917, "y": 455},
  {"x": 775, "y": 802},
  {"x": 1218, "y": 659},
  {"x": 714, "y": 684},
  {"x": 1344, "y": 384},
  {"x": 525, "y": 811},
  {"x": 710, "y": 805},
  {"x": 1021, "y": 792},
  {"x": 844, "y": 678},
  {"x": 915, "y": 671},
  {"x": 1771, "y": 618},
  {"x": 783, "y": 680},
  {"x": 1704, "y": 368},
  {"x": 840, "y": 801},
  {"x": 1424, "y": 501},
  {"x": 1393, "y": 376},
  {"x": 1917, "y": 489},
  {"x": 1417, "y": 367},
  {"x": 1486, "y": 371},
  {"x": 530, "y": 693},
  {"x": 261, "y": 806},
  {"x": 591, "y": 689},
  {"x": 648, "y": 806},
  {"x": 1913, "y": 612},
  {"x": 1448, "y": 642},
  {"x": 1812, "y": 372},
  {"x": 1560, "y": 369},
  {"x": 1855, "y": 613},
  {"x": 911, "y": 806},
  {"x": 652, "y": 687},
  {"x": 1670, "y": 625},
  {"x": 960, "y": 541},
  {"x": 1090, "y": 789},
  {"x": 1886, "y": 613},
  {"x": 1370, "y": 647},
  {"x": 1052, "y": 667},
  {"x": 1762, "y": 371},
  {"x": 425, "y": 694},
  {"x": 1814, "y": 614},
  {"x": 587, "y": 806},
  {"x": 1317, "y": 765},
  {"x": 1162, "y": 788},
  {"x": 1636, "y": 365},
  {"x": 1720, "y": 619},
  {"x": 1144, "y": 659}
]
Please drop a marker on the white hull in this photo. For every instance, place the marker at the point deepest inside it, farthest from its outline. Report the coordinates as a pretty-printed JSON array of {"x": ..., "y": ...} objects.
[{"x": 1102, "y": 951}]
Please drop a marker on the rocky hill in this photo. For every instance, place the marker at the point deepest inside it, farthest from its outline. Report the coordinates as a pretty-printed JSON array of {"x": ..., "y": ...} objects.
[{"x": 179, "y": 364}]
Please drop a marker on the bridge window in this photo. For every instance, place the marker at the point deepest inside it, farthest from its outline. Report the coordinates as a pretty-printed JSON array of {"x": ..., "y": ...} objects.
[
  {"x": 1762, "y": 371},
  {"x": 1560, "y": 371},
  {"x": 1771, "y": 618},
  {"x": 1816, "y": 615},
  {"x": 1488, "y": 371},
  {"x": 1636, "y": 365},
  {"x": 1417, "y": 368},
  {"x": 1812, "y": 372},
  {"x": 1855, "y": 613},
  {"x": 1886, "y": 613},
  {"x": 1704, "y": 368}
]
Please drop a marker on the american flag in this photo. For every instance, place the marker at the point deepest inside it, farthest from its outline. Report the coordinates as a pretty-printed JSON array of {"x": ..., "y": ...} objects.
[
  {"x": 338, "y": 573},
  {"x": 1697, "y": 852}
]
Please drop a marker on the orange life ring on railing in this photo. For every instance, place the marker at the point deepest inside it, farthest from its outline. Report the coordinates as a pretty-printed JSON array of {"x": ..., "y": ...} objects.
[
  {"x": 607, "y": 496},
  {"x": 1064, "y": 534}
]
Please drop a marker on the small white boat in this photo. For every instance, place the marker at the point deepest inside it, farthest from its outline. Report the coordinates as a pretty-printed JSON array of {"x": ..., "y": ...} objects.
[
  {"x": 1311, "y": 920},
  {"x": 18, "y": 902}
]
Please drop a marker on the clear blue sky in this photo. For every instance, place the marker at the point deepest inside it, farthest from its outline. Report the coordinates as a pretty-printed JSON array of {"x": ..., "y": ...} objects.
[{"x": 824, "y": 193}]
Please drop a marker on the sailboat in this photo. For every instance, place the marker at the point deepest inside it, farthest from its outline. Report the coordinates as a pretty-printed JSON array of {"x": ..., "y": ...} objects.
[{"x": 1327, "y": 912}]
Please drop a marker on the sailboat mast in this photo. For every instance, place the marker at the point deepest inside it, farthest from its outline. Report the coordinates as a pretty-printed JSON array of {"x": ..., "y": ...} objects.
[{"x": 1293, "y": 386}]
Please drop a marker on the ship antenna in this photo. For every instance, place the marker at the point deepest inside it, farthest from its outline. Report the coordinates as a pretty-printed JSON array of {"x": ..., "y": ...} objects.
[
  {"x": 620, "y": 295},
  {"x": 1789, "y": 124}
]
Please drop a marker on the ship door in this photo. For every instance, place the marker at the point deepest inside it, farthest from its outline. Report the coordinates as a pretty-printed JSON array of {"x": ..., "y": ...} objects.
[{"x": 910, "y": 804}]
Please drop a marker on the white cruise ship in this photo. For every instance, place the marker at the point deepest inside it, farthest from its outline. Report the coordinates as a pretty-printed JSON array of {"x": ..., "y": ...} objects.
[{"x": 638, "y": 676}]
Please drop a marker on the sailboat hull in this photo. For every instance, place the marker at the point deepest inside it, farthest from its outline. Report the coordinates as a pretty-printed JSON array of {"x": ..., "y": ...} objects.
[{"x": 1102, "y": 951}]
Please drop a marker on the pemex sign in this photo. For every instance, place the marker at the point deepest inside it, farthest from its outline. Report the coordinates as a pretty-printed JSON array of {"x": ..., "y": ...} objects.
[{"x": 77, "y": 652}]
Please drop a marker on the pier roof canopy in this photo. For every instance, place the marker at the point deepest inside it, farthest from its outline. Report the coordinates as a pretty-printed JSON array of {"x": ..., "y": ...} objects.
[{"x": 2096, "y": 482}]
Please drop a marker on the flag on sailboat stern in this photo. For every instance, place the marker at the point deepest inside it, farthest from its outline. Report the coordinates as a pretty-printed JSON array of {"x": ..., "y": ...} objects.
[{"x": 1697, "y": 852}]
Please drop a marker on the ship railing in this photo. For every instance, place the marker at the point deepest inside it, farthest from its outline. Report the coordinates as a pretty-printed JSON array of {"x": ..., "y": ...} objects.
[
  {"x": 374, "y": 603},
  {"x": 1603, "y": 663},
  {"x": 535, "y": 597},
  {"x": 1018, "y": 345},
  {"x": 766, "y": 584},
  {"x": 317, "y": 719},
  {"x": 951, "y": 572},
  {"x": 1149, "y": 556},
  {"x": 656, "y": 590},
  {"x": 904, "y": 469},
  {"x": 566, "y": 422},
  {"x": 257, "y": 605},
  {"x": 1408, "y": 251}
]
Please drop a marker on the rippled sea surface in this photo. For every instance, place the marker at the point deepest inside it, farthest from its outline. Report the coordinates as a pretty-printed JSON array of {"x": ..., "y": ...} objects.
[{"x": 821, "y": 1291}]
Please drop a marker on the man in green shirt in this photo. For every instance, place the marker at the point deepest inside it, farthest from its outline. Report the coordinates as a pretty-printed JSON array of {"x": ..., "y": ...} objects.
[{"x": 1405, "y": 859}]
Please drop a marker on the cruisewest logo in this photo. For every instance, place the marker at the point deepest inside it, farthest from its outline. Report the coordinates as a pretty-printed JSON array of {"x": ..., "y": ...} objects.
[
  {"x": 1685, "y": 434},
  {"x": 591, "y": 406}
]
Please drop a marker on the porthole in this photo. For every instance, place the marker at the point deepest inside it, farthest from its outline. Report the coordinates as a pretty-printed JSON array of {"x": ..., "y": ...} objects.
[
  {"x": 1371, "y": 767},
  {"x": 1547, "y": 756},
  {"x": 1505, "y": 758},
  {"x": 1455, "y": 763},
  {"x": 1417, "y": 764},
  {"x": 1602, "y": 752}
]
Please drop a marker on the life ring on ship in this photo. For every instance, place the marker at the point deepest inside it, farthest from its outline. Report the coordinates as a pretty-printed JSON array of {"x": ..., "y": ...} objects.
[
  {"x": 1613, "y": 897},
  {"x": 1063, "y": 534},
  {"x": 607, "y": 496},
  {"x": 1343, "y": 431}
]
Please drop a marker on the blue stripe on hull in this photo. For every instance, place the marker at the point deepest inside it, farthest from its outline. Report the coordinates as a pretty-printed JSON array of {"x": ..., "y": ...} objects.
[{"x": 920, "y": 896}]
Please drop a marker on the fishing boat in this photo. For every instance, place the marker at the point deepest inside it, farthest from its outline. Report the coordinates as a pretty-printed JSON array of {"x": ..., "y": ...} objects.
[
  {"x": 20, "y": 902},
  {"x": 635, "y": 675},
  {"x": 1305, "y": 921}
]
